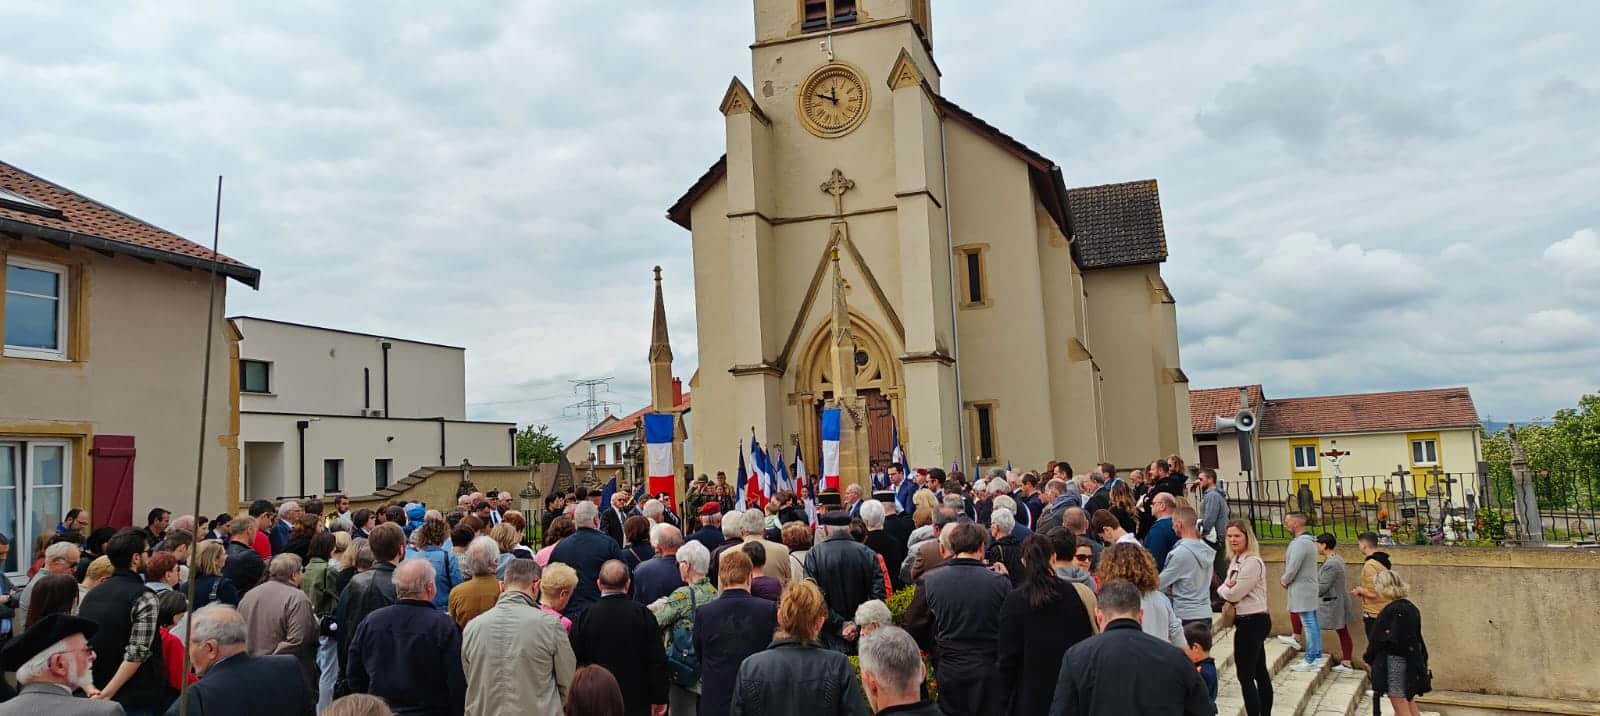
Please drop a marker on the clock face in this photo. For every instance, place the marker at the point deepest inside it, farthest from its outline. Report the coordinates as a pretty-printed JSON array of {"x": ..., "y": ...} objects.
[{"x": 833, "y": 101}]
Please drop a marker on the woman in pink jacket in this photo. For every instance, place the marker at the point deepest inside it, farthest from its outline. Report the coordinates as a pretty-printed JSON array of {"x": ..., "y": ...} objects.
[{"x": 1246, "y": 589}]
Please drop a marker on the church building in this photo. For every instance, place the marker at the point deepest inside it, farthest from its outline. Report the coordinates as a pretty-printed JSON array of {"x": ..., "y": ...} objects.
[{"x": 997, "y": 315}]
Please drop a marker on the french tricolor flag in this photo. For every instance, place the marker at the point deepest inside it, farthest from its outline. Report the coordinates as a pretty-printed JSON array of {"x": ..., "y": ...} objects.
[
  {"x": 658, "y": 429},
  {"x": 830, "y": 449}
]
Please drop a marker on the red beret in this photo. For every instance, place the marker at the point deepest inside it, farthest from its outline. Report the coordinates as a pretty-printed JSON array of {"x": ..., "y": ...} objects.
[
  {"x": 922, "y": 471},
  {"x": 710, "y": 508}
]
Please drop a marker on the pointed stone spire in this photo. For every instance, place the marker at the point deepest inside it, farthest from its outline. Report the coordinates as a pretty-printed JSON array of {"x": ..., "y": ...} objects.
[
  {"x": 660, "y": 346},
  {"x": 662, "y": 399},
  {"x": 844, "y": 341}
]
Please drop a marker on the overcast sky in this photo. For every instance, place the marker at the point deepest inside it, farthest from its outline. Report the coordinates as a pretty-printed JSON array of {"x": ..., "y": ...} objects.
[{"x": 1402, "y": 197}]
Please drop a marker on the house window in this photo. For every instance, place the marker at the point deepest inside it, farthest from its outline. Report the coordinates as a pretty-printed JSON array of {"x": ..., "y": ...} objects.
[
  {"x": 381, "y": 469},
  {"x": 332, "y": 475},
  {"x": 1208, "y": 456},
  {"x": 33, "y": 494},
  {"x": 600, "y": 454},
  {"x": 35, "y": 309},
  {"x": 617, "y": 451},
  {"x": 1424, "y": 452},
  {"x": 1305, "y": 457},
  {"x": 983, "y": 420},
  {"x": 818, "y": 14},
  {"x": 972, "y": 263},
  {"x": 255, "y": 376}
]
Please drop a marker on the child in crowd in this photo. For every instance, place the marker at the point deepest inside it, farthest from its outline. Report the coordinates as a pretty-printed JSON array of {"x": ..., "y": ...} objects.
[
  {"x": 1198, "y": 634},
  {"x": 169, "y": 614}
]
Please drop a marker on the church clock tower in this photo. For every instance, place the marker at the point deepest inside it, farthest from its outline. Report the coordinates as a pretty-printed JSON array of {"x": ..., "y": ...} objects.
[{"x": 947, "y": 232}]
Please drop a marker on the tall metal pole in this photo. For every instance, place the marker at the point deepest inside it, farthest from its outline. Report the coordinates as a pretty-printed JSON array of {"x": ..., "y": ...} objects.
[{"x": 200, "y": 458}]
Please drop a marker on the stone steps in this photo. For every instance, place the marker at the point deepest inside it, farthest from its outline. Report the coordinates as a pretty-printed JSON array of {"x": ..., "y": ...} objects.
[
  {"x": 1339, "y": 695},
  {"x": 1293, "y": 690},
  {"x": 1229, "y": 700}
]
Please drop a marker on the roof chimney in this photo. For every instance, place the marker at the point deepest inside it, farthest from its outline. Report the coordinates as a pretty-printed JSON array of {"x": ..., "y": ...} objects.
[{"x": 677, "y": 391}]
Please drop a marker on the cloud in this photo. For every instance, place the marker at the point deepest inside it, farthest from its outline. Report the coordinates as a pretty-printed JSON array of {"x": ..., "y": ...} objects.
[
  {"x": 1291, "y": 103},
  {"x": 1307, "y": 108},
  {"x": 1348, "y": 204},
  {"x": 1576, "y": 259}
]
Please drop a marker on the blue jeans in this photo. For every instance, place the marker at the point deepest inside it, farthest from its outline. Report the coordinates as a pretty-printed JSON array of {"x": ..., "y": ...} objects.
[
  {"x": 328, "y": 665},
  {"x": 1313, "y": 630}
]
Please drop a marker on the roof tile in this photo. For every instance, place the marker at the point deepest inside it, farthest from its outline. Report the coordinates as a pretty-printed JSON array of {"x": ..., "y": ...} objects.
[
  {"x": 1371, "y": 412},
  {"x": 1208, "y": 404},
  {"x": 1117, "y": 224},
  {"x": 86, "y": 216}
]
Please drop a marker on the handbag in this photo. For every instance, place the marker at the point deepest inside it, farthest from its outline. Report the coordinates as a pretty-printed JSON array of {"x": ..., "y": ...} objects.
[
  {"x": 1230, "y": 611},
  {"x": 1086, "y": 595},
  {"x": 683, "y": 663}
]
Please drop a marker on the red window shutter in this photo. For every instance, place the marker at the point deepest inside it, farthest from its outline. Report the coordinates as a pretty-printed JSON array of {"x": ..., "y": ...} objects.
[{"x": 113, "y": 480}]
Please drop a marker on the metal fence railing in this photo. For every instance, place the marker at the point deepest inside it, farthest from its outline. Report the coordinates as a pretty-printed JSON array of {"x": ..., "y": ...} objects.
[{"x": 1427, "y": 506}]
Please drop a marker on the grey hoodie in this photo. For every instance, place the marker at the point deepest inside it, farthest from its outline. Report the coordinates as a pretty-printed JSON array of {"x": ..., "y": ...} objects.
[
  {"x": 1187, "y": 578},
  {"x": 1076, "y": 574}
]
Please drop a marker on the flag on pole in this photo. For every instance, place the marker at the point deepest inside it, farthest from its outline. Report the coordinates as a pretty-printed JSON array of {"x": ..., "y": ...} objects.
[
  {"x": 782, "y": 476},
  {"x": 899, "y": 455},
  {"x": 760, "y": 486},
  {"x": 605, "y": 495},
  {"x": 658, "y": 429},
  {"x": 830, "y": 449},
  {"x": 955, "y": 466},
  {"x": 739, "y": 483},
  {"x": 803, "y": 486}
]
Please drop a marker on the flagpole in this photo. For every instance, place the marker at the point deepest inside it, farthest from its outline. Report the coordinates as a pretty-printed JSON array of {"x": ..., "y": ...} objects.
[{"x": 205, "y": 403}]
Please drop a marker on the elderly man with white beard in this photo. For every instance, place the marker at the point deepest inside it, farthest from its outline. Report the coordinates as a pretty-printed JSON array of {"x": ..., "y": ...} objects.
[{"x": 52, "y": 661}]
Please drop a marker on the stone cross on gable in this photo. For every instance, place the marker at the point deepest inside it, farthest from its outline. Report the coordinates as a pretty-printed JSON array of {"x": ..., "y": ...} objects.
[{"x": 837, "y": 185}]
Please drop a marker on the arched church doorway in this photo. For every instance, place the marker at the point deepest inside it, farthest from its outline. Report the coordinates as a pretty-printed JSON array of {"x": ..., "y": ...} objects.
[{"x": 879, "y": 383}]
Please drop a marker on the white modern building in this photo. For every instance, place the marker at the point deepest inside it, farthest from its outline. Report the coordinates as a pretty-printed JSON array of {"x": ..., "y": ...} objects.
[{"x": 324, "y": 411}]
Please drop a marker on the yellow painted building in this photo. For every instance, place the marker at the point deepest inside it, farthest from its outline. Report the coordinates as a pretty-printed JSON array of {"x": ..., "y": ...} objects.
[
  {"x": 1422, "y": 433},
  {"x": 102, "y": 370},
  {"x": 998, "y": 315}
]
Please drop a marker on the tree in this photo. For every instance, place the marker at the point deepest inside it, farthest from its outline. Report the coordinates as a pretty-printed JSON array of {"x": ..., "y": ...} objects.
[
  {"x": 536, "y": 444},
  {"x": 1564, "y": 456}
]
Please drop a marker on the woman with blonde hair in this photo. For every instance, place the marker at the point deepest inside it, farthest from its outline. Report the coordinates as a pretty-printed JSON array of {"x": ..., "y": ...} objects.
[
  {"x": 1395, "y": 650},
  {"x": 1245, "y": 590},
  {"x": 209, "y": 584},
  {"x": 1133, "y": 563},
  {"x": 924, "y": 497},
  {"x": 358, "y": 705},
  {"x": 555, "y": 590},
  {"x": 796, "y": 675}
]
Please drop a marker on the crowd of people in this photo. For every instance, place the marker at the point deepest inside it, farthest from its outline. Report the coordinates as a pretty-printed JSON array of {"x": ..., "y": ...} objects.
[{"x": 1017, "y": 593}]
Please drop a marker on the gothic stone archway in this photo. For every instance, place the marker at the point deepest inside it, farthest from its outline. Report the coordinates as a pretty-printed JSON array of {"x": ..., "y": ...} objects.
[{"x": 879, "y": 382}]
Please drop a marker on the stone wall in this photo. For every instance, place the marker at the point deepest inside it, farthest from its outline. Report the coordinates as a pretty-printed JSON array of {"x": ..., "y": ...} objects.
[{"x": 1516, "y": 622}]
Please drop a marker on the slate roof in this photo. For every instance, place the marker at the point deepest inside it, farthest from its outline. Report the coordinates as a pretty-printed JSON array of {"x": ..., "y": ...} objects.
[
  {"x": 1117, "y": 224},
  {"x": 85, "y": 222},
  {"x": 1404, "y": 410},
  {"x": 1207, "y": 404}
]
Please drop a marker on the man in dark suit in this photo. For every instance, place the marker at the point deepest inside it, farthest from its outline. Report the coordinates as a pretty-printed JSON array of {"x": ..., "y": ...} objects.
[
  {"x": 232, "y": 681},
  {"x": 622, "y": 635},
  {"x": 612, "y": 517},
  {"x": 710, "y": 532},
  {"x": 729, "y": 629},
  {"x": 1140, "y": 673},
  {"x": 585, "y": 551}
]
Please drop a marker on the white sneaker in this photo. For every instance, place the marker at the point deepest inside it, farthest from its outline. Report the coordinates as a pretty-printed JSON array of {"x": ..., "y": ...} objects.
[
  {"x": 1306, "y": 666},
  {"x": 1290, "y": 642},
  {"x": 1344, "y": 668}
]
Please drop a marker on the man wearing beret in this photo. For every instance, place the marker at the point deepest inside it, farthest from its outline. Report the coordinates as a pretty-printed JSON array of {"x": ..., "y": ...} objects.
[{"x": 53, "y": 660}]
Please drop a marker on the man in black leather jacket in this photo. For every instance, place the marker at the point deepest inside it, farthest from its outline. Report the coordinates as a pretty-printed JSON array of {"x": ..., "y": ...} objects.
[
  {"x": 847, "y": 573},
  {"x": 960, "y": 607},
  {"x": 1124, "y": 670}
]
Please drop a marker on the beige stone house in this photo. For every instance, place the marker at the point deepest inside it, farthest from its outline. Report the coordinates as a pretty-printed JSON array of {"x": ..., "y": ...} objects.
[
  {"x": 104, "y": 320},
  {"x": 998, "y": 315}
]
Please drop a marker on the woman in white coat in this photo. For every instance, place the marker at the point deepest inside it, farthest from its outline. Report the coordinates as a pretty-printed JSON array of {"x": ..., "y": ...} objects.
[{"x": 1337, "y": 609}]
